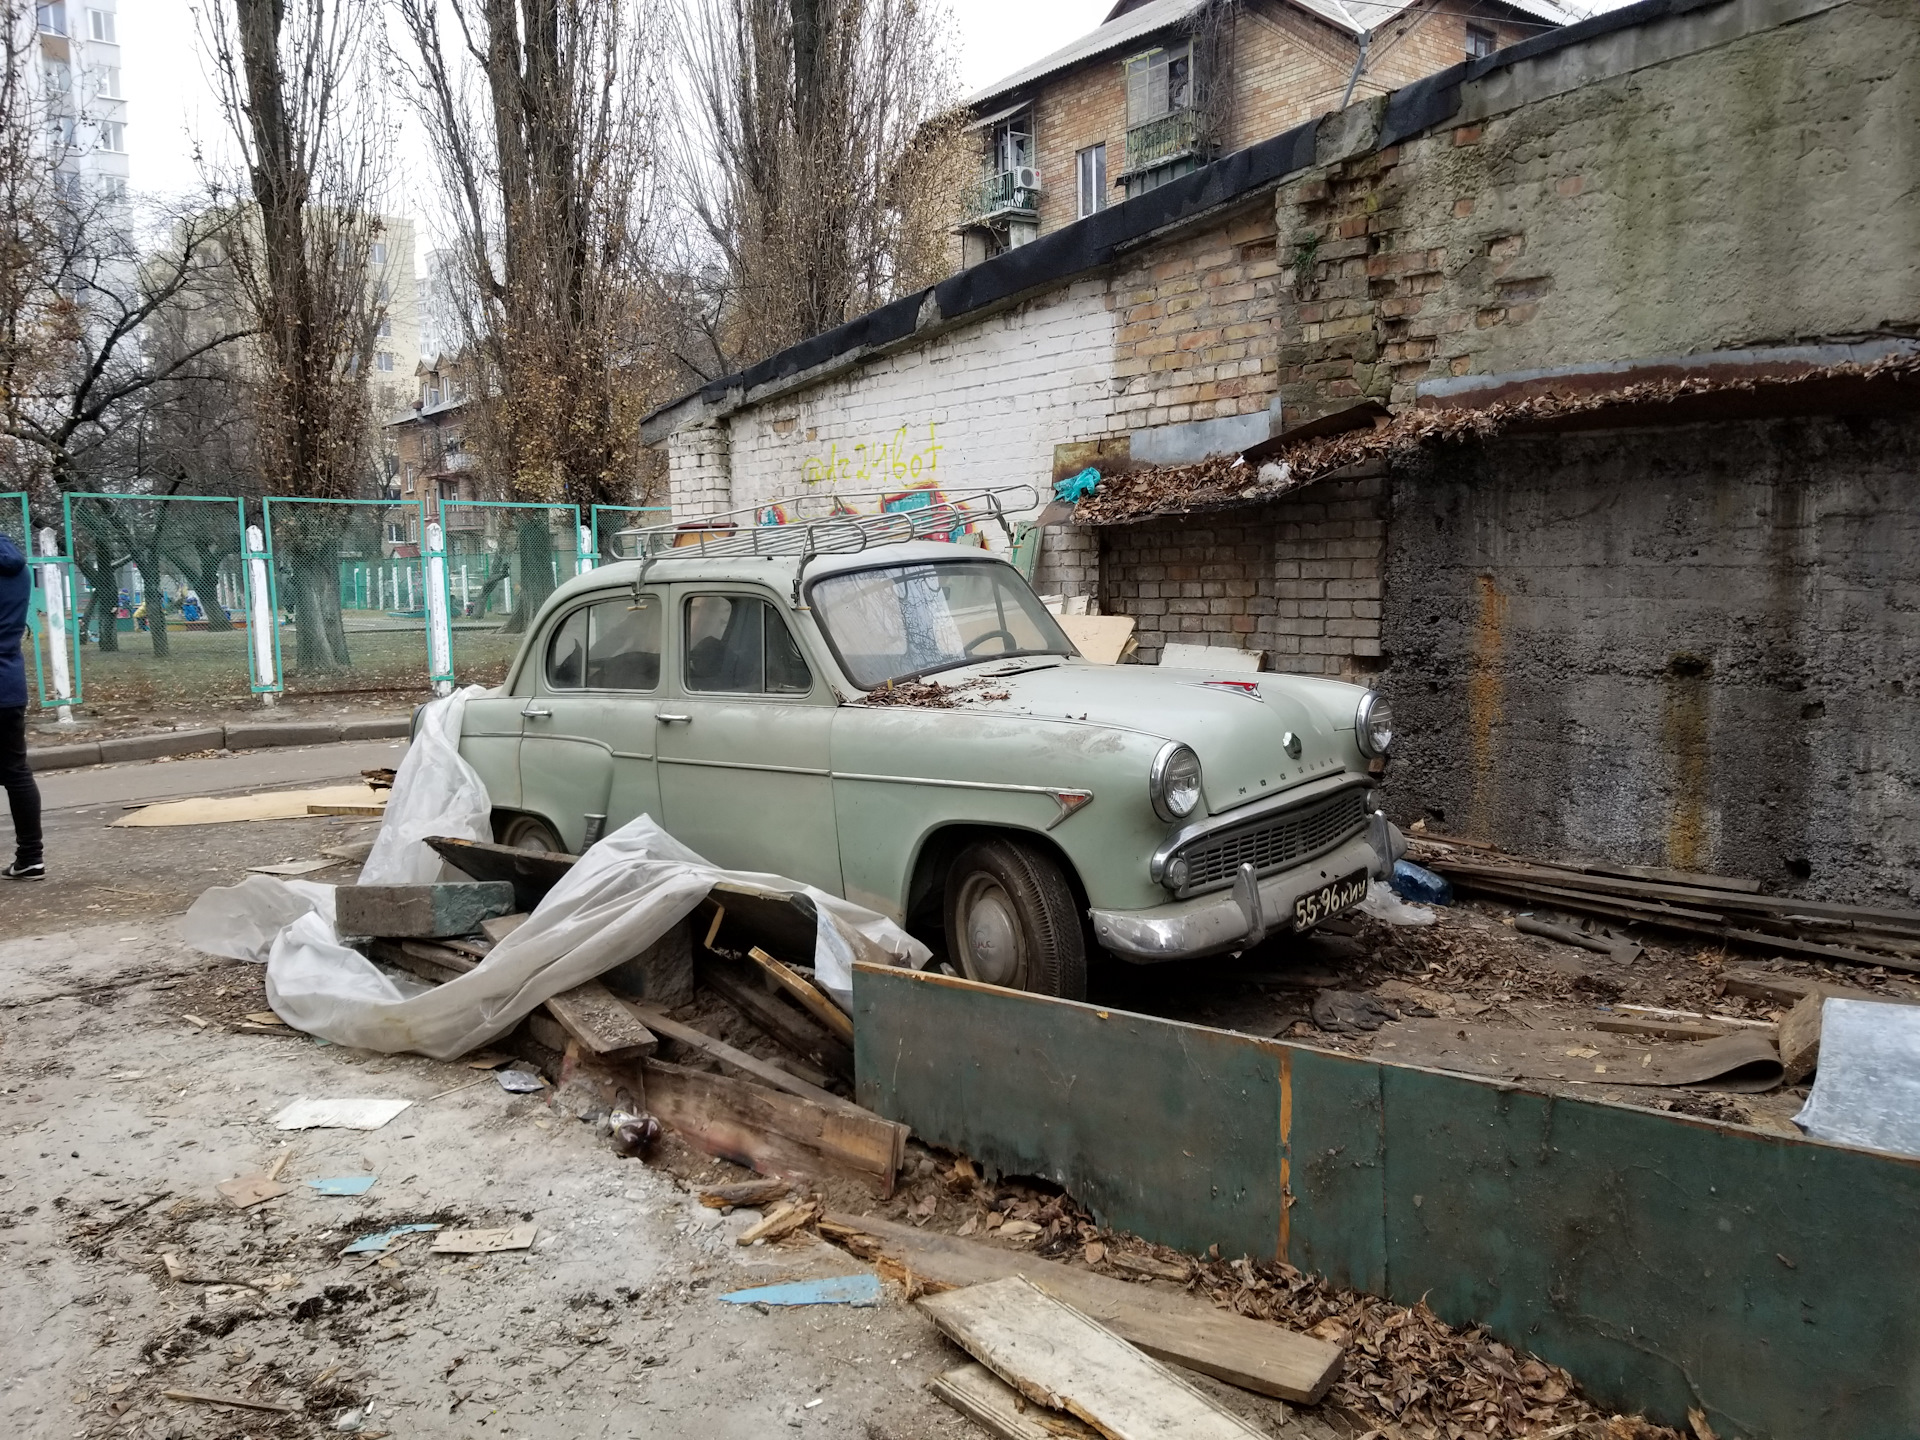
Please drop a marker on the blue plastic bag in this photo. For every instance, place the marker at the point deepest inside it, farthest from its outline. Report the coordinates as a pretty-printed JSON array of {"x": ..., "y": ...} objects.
[{"x": 1420, "y": 885}]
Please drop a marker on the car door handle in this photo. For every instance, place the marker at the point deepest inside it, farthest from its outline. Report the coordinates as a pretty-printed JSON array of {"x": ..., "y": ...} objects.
[
  {"x": 666, "y": 719},
  {"x": 534, "y": 712}
]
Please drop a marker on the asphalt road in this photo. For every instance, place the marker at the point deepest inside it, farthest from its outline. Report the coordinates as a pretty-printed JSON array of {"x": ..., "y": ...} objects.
[{"x": 97, "y": 873}]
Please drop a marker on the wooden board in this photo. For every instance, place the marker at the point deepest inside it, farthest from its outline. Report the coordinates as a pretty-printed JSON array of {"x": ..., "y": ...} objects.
[
  {"x": 1800, "y": 1038},
  {"x": 1059, "y": 1358},
  {"x": 663, "y": 1024},
  {"x": 996, "y": 1407},
  {"x": 1165, "y": 1322},
  {"x": 274, "y": 805},
  {"x": 770, "y": 1131},
  {"x": 810, "y": 998},
  {"x": 782, "y": 1021},
  {"x": 1789, "y": 989},
  {"x": 602, "y": 1023},
  {"x": 429, "y": 961},
  {"x": 1103, "y": 639}
]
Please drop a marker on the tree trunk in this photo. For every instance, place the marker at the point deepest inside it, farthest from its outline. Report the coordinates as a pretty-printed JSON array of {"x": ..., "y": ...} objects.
[
  {"x": 104, "y": 602},
  {"x": 533, "y": 567},
  {"x": 209, "y": 593},
  {"x": 320, "y": 645},
  {"x": 152, "y": 580}
]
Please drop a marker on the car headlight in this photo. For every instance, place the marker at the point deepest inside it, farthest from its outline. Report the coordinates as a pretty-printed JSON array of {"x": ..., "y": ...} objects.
[
  {"x": 1174, "y": 782},
  {"x": 1373, "y": 724}
]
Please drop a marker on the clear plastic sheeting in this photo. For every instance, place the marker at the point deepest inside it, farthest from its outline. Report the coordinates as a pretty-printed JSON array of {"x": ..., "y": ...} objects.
[
  {"x": 241, "y": 921},
  {"x": 1382, "y": 904},
  {"x": 1867, "y": 1089},
  {"x": 622, "y": 896},
  {"x": 435, "y": 792}
]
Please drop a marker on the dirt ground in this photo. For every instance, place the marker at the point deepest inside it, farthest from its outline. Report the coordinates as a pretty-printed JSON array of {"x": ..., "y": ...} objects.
[{"x": 132, "y": 1083}]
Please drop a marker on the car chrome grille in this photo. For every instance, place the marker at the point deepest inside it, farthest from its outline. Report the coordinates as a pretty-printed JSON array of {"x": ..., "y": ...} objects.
[{"x": 1274, "y": 843}]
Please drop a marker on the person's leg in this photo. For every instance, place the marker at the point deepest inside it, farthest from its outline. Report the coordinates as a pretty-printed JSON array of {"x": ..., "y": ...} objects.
[{"x": 23, "y": 796}]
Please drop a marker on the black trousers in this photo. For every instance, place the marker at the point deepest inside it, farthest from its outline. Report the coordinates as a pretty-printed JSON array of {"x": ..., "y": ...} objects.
[{"x": 23, "y": 796}]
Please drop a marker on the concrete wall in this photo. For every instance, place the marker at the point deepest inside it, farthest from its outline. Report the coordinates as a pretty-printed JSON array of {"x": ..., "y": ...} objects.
[
  {"x": 1760, "y": 190},
  {"x": 1693, "y": 647}
]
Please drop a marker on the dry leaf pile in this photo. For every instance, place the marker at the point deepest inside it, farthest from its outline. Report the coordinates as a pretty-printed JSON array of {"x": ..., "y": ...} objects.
[
  {"x": 931, "y": 694},
  {"x": 1409, "y": 1369},
  {"x": 1221, "y": 480}
]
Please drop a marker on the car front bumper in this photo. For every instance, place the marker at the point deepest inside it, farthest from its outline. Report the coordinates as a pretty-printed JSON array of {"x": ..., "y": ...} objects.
[{"x": 1225, "y": 919}]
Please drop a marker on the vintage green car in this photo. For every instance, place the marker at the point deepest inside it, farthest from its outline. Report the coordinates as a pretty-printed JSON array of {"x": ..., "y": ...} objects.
[{"x": 908, "y": 726}]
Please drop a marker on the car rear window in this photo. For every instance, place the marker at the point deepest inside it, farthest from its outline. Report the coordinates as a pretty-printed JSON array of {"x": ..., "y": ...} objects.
[{"x": 612, "y": 645}]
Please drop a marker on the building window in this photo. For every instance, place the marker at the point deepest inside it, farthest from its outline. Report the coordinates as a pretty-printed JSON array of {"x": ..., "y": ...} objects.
[
  {"x": 110, "y": 82},
  {"x": 406, "y": 474},
  {"x": 1159, "y": 83},
  {"x": 113, "y": 187},
  {"x": 59, "y": 77},
  {"x": 377, "y": 253},
  {"x": 53, "y": 18},
  {"x": 113, "y": 136},
  {"x": 386, "y": 327},
  {"x": 1092, "y": 169},
  {"x": 100, "y": 27},
  {"x": 383, "y": 360},
  {"x": 1481, "y": 43}
]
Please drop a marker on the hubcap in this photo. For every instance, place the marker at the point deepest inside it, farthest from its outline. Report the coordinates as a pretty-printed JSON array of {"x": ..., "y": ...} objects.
[
  {"x": 990, "y": 936},
  {"x": 531, "y": 835}
]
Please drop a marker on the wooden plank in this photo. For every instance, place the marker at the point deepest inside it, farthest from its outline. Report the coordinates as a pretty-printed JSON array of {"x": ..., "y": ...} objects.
[
  {"x": 1907, "y": 920},
  {"x": 758, "y": 1069},
  {"x": 1059, "y": 1358},
  {"x": 423, "y": 958},
  {"x": 980, "y": 1395},
  {"x": 601, "y": 1022},
  {"x": 1800, "y": 1038},
  {"x": 501, "y": 926},
  {"x": 1788, "y": 989},
  {"x": 811, "y": 1000},
  {"x": 1164, "y": 1321},
  {"x": 784, "y": 1023},
  {"x": 1662, "y": 1029},
  {"x": 770, "y": 1131}
]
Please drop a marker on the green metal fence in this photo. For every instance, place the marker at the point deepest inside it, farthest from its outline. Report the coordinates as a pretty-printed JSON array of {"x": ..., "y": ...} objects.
[
  {"x": 504, "y": 558},
  {"x": 17, "y": 525},
  {"x": 349, "y": 588},
  {"x": 159, "y": 598}
]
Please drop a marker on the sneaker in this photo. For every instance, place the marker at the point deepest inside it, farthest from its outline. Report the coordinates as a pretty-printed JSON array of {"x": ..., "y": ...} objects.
[{"x": 17, "y": 871}]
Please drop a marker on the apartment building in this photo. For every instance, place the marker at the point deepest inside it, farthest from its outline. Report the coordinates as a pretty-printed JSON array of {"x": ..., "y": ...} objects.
[
  {"x": 435, "y": 462},
  {"x": 1165, "y": 86},
  {"x": 80, "y": 87}
]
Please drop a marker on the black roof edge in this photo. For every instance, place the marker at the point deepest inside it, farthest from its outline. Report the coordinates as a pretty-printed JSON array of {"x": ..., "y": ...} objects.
[{"x": 1089, "y": 244}]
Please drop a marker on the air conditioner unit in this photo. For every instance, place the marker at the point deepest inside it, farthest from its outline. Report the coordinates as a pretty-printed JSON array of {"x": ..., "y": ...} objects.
[{"x": 1025, "y": 177}]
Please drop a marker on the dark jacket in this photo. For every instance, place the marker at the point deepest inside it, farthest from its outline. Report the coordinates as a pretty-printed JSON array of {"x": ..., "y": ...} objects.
[{"x": 16, "y": 597}]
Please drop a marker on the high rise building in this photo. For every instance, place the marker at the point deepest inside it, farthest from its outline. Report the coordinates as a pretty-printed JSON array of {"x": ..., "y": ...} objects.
[{"x": 79, "y": 58}]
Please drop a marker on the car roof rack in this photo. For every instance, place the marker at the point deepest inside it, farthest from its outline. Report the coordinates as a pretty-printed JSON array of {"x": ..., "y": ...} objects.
[{"x": 836, "y": 529}]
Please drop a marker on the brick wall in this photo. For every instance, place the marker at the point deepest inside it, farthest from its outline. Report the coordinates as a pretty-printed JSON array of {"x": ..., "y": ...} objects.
[
  {"x": 1084, "y": 107},
  {"x": 699, "y": 472},
  {"x": 1197, "y": 336},
  {"x": 1299, "y": 579}
]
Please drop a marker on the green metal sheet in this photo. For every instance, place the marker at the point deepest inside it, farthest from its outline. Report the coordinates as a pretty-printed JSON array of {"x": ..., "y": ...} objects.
[
  {"x": 1167, "y": 1130},
  {"x": 1668, "y": 1263}
]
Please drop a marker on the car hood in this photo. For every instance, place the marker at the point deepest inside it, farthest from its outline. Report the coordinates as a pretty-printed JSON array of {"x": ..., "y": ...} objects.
[{"x": 1237, "y": 724}]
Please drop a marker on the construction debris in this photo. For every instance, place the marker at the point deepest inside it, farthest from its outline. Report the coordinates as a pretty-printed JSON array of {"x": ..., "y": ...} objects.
[
  {"x": 338, "y": 1114},
  {"x": 1063, "y": 1360},
  {"x": 420, "y": 911},
  {"x": 859, "y": 1291}
]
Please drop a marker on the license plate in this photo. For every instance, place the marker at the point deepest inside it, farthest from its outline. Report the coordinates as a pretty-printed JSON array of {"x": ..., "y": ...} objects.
[{"x": 1329, "y": 900}]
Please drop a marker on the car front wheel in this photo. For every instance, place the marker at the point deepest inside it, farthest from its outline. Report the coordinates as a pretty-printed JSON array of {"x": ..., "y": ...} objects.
[
  {"x": 527, "y": 832},
  {"x": 1012, "y": 920}
]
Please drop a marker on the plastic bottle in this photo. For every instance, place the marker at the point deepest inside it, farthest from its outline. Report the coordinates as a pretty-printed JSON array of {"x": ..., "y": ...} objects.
[{"x": 1419, "y": 884}]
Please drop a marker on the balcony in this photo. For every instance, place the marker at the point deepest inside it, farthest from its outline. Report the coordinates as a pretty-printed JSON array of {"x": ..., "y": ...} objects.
[
  {"x": 1162, "y": 140},
  {"x": 1002, "y": 196}
]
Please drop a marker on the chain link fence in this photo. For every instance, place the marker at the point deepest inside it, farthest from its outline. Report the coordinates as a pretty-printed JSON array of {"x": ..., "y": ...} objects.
[
  {"x": 349, "y": 595},
  {"x": 503, "y": 560},
  {"x": 159, "y": 598}
]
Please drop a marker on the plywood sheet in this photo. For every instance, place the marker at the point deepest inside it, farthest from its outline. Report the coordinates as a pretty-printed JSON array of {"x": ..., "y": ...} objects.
[{"x": 274, "y": 805}]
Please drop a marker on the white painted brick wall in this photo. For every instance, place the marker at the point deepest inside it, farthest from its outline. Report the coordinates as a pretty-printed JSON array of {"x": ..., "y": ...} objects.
[{"x": 983, "y": 405}]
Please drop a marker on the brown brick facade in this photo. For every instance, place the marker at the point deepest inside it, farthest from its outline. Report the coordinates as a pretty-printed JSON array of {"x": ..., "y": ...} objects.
[{"x": 1299, "y": 579}]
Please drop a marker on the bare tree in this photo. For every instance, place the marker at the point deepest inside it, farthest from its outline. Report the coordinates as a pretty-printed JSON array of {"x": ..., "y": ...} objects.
[
  {"x": 816, "y": 159},
  {"x": 300, "y": 86},
  {"x": 542, "y": 115}
]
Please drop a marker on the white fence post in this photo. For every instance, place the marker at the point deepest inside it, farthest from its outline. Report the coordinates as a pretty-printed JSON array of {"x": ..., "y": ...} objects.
[
  {"x": 260, "y": 620},
  {"x": 53, "y": 587},
  {"x": 588, "y": 558},
  {"x": 439, "y": 623}
]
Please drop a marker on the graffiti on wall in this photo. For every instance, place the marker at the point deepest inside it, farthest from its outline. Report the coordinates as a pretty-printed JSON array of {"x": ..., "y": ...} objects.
[{"x": 904, "y": 459}]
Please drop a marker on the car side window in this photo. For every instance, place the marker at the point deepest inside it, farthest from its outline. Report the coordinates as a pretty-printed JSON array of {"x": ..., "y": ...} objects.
[
  {"x": 740, "y": 645},
  {"x": 623, "y": 644},
  {"x": 612, "y": 645},
  {"x": 567, "y": 653}
]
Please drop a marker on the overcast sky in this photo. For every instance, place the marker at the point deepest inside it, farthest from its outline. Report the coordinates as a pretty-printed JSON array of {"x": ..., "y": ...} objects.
[{"x": 170, "y": 107}]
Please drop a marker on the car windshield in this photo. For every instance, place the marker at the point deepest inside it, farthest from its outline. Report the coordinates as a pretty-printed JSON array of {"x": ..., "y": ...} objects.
[{"x": 909, "y": 620}]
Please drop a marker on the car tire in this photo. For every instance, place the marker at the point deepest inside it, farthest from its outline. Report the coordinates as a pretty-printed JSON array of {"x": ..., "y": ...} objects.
[
  {"x": 1012, "y": 920},
  {"x": 527, "y": 832}
]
